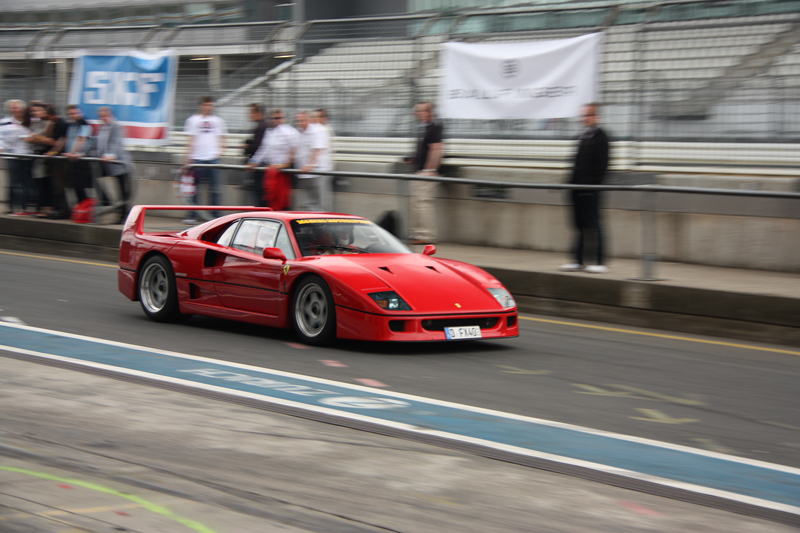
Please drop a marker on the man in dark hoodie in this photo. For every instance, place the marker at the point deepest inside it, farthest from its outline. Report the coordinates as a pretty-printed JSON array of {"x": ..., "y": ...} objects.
[{"x": 591, "y": 163}]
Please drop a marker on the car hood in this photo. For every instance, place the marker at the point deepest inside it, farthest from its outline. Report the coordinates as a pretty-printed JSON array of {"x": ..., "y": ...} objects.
[{"x": 426, "y": 284}]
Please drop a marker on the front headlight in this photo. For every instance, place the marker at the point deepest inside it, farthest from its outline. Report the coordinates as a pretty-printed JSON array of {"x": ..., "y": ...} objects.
[
  {"x": 503, "y": 297},
  {"x": 390, "y": 301}
]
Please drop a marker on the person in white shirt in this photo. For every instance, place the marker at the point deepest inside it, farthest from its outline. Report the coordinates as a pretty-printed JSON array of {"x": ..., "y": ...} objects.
[
  {"x": 313, "y": 154},
  {"x": 207, "y": 142},
  {"x": 277, "y": 151},
  {"x": 14, "y": 135},
  {"x": 279, "y": 145}
]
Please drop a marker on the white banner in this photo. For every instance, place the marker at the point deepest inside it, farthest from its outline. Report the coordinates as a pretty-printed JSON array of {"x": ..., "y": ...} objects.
[{"x": 544, "y": 79}]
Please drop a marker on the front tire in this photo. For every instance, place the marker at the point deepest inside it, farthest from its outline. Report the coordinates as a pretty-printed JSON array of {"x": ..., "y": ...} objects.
[
  {"x": 157, "y": 291},
  {"x": 313, "y": 312}
]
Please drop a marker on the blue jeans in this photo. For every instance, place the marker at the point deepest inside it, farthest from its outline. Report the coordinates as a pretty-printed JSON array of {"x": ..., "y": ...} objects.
[{"x": 209, "y": 176}]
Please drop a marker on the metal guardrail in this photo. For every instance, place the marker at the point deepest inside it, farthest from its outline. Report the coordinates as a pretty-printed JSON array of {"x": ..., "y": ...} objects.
[
  {"x": 647, "y": 204},
  {"x": 99, "y": 210},
  {"x": 648, "y": 199}
]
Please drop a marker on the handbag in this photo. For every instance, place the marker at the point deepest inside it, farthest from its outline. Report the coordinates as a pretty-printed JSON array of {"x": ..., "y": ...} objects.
[
  {"x": 83, "y": 212},
  {"x": 187, "y": 186}
]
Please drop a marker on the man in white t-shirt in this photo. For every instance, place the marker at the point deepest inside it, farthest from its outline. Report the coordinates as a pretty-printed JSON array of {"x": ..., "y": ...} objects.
[
  {"x": 313, "y": 153},
  {"x": 206, "y": 143}
]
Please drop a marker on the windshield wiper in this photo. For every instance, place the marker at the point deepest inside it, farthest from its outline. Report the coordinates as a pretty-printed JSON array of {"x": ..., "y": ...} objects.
[{"x": 343, "y": 247}]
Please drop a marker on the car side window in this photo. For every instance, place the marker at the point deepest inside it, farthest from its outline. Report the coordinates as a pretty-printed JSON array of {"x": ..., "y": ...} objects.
[
  {"x": 227, "y": 235},
  {"x": 284, "y": 243},
  {"x": 255, "y": 235}
]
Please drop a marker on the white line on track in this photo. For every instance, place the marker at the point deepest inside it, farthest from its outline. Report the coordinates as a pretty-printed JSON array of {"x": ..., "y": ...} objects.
[{"x": 419, "y": 430}]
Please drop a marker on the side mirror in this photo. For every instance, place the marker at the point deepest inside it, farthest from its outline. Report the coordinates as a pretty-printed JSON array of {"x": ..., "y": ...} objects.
[
  {"x": 274, "y": 253},
  {"x": 430, "y": 249}
]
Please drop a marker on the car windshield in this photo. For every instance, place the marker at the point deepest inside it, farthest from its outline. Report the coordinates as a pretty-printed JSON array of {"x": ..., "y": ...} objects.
[{"x": 332, "y": 236}]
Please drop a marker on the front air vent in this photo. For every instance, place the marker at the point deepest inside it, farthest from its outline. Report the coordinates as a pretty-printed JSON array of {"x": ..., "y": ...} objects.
[{"x": 440, "y": 324}]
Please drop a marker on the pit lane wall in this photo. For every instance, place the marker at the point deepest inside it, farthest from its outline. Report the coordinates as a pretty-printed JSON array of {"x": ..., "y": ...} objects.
[
  {"x": 740, "y": 232},
  {"x": 753, "y": 233}
]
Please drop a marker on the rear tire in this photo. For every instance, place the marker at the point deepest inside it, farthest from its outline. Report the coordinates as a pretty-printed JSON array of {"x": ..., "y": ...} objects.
[
  {"x": 158, "y": 293},
  {"x": 313, "y": 312}
]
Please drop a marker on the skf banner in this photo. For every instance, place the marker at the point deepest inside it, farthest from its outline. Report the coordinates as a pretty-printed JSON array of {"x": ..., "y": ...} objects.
[
  {"x": 138, "y": 87},
  {"x": 545, "y": 79}
]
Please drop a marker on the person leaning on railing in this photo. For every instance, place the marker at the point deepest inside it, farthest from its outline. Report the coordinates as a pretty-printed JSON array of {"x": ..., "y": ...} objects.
[
  {"x": 14, "y": 135},
  {"x": 57, "y": 168},
  {"x": 116, "y": 161},
  {"x": 40, "y": 144}
]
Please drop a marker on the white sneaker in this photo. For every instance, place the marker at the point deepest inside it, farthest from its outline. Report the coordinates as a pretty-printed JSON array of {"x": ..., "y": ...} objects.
[
  {"x": 190, "y": 222},
  {"x": 571, "y": 267},
  {"x": 596, "y": 269}
]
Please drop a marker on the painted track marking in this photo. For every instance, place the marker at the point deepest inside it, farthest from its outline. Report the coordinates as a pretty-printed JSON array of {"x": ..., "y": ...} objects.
[
  {"x": 158, "y": 509},
  {"x": 755, "y": 483}
]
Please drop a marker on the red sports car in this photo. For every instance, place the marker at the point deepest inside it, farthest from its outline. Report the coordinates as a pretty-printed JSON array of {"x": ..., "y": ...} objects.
[{"x": 325, "y": 275}]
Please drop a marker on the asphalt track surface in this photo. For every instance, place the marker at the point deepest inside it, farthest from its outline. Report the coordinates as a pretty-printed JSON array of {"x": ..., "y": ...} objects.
[{"x": 728, "y": 397}]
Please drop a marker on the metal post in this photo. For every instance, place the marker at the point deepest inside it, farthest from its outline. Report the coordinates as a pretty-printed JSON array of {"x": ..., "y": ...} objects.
[{"x": 649, "y": 251}]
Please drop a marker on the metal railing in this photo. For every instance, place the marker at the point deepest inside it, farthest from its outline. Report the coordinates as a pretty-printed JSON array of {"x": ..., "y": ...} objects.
[
  {"x": 647, "y": 203},
  {"x": 99, "y": 210}
]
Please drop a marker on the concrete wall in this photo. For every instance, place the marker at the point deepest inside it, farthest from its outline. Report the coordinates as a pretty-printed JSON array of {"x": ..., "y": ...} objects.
[{"x": 713, "y": 230}]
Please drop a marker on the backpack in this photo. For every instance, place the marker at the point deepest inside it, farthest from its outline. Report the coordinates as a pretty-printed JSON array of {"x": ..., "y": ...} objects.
[{"x": 390, "y": 221}]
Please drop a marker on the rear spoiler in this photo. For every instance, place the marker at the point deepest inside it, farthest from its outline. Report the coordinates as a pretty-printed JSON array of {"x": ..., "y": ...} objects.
[{"x": 136, "y": 216}]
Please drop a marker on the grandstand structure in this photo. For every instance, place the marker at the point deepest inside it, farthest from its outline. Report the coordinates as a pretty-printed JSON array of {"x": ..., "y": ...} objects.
[{"x": 681, "y": 71}]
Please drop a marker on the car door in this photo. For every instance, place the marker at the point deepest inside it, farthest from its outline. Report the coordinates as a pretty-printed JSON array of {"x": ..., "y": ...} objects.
[{"x": 244, "y": 280}]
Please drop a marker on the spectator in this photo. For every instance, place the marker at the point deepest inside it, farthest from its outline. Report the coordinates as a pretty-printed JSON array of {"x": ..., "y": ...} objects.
[
  {"x": 116, "y": 161},
  {"x": 313, "y": 154},
  {"x": 252, "y": 145},
  {"x": 207, "y": 143},
  {"x": 278, "y": 150},
  {"x": 57, "y": 169},
  {"x": 428, "y": 160},
  {"x": 14, "y": 134},
  {"x": 77, "y": 143},
  {"x": 591, "y": 163},
  {"x": 40, "y": 124},
  {"x": 320, "y": 116}
]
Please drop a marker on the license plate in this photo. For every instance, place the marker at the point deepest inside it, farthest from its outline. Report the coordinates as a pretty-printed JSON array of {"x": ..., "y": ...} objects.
[{"x": 464, "y": 332}]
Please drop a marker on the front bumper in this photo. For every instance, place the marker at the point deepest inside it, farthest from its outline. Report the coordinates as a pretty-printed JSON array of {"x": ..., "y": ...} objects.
[{"x": 352, "y": 324}]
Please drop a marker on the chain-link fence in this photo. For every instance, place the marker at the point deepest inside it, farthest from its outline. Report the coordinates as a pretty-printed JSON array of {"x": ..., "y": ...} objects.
[{"x": 685, "y": 71}]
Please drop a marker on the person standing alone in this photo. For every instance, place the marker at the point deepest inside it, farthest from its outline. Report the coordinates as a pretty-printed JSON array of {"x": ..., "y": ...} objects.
[
  {"x": 591, "y": 164},
  {"x": 430, "y": 149},
  {"x": 207, "y": 142}
]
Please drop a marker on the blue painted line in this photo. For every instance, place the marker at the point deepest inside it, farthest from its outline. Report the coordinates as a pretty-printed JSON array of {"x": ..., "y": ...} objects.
[{"x": 749, "y": 479}]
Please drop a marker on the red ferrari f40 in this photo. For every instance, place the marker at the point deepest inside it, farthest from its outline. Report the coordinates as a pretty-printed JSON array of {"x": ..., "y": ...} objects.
[{"x": 325, "y": 275}]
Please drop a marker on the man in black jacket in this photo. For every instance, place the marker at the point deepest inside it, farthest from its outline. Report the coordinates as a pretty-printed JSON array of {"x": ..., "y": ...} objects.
[
  {"x": 591, "y": 163},
  {"x": 251, "y": 146}
]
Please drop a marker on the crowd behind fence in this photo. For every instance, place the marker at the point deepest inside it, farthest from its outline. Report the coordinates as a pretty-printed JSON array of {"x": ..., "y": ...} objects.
[{"x": 680, "y": 71}]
